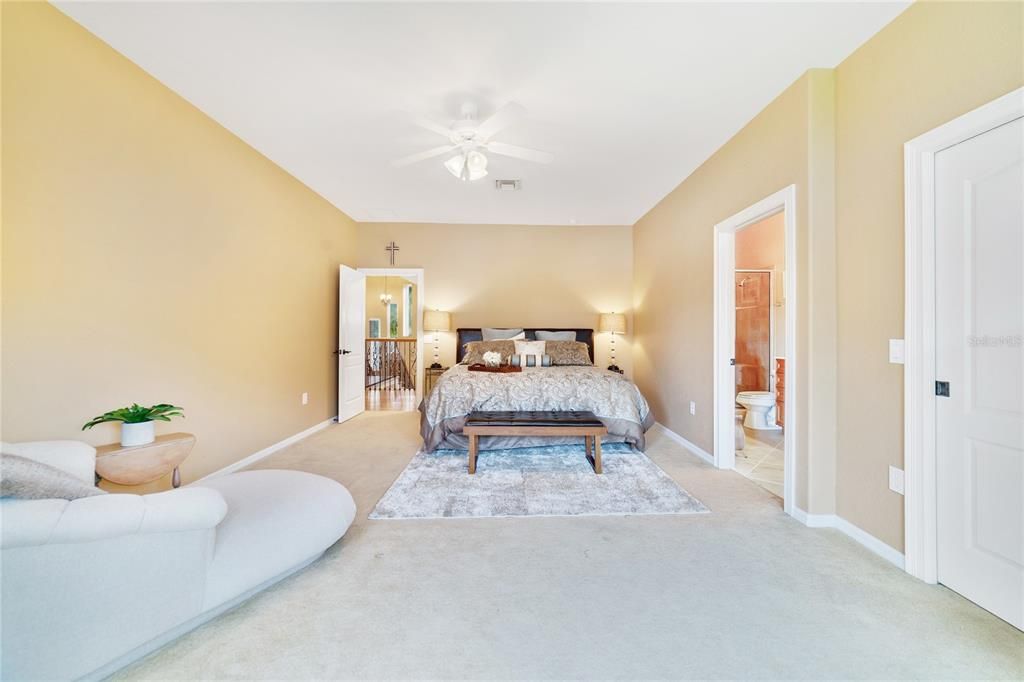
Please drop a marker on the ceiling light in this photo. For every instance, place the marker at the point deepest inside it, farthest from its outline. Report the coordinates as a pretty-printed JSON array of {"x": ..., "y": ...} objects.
[{"x": 470, "y": 166}]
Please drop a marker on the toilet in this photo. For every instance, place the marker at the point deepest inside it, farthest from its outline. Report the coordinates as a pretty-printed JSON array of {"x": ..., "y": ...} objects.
[{"x": 760, "y": 406}]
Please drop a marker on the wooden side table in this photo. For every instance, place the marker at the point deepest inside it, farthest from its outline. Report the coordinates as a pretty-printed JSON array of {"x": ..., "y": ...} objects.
[
  {"x": 430, "y": 376},
  {"x": 140, "y": 464}
]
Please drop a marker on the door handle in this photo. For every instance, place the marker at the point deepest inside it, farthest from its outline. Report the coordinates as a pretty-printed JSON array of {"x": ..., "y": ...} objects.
[{"x": 342, "y": 352}]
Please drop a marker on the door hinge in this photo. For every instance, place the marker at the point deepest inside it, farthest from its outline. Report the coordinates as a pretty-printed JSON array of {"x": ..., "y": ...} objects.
[
  {"x": 732, "y": 361},
  {"x": 942, "y": 389}
]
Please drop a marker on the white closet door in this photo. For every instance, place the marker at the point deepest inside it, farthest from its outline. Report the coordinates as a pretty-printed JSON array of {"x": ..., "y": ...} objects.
[{"x": 979, "y": 314}]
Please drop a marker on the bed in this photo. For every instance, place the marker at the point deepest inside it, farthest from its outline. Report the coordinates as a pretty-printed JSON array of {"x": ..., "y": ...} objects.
[{"x": 615, "y": 400}]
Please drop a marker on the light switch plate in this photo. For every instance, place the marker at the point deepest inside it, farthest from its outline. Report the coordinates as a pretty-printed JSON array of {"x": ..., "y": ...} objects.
[
  {"x": 305, "y": 398},
  {"x": 693, "y": 407},
  {"x": 896, "y": 351},
  {"x": 895, "y": 479}
]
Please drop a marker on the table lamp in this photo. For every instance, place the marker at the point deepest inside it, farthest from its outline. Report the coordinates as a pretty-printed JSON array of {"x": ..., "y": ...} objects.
[
  {"x": 615, "y": 323},
  {"x": 437, "y": 321}
]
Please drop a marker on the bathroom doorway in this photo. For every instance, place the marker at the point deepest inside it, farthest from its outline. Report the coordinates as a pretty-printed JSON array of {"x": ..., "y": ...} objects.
[{"x": 754, "y": 344}]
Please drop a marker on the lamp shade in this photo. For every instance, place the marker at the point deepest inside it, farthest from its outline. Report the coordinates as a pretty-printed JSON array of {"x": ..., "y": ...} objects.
[
  {"x": 612, "y": 322},
  {"x": 437, "y": 321}
]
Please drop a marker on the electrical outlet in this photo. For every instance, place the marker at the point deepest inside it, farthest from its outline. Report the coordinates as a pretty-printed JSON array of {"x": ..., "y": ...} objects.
[
  {"x": 305, "y": 398},
  {"x": 693, "y": 407},
  {"x": 895, "y": 479}
]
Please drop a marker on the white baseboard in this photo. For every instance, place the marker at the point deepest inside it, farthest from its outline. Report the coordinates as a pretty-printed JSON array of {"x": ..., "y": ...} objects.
[
  {"x": 269, "y": 450},
  {"x": 700, "y": 452},
  {"x": 893, "y": 556}
]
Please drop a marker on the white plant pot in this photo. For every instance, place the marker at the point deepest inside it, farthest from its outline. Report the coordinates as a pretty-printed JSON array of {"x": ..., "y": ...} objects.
[{"x": 137, "y": 434}]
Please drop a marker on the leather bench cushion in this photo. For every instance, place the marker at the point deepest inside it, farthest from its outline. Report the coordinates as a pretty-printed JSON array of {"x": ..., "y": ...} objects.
[{"x": 545, "y": 418}]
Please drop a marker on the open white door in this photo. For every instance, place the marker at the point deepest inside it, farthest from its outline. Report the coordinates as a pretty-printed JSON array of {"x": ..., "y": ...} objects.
[{"x": 351, "y": 343}]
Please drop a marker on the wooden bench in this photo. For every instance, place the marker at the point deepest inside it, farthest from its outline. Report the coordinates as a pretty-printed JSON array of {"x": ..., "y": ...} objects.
[{"x": 567, "y": 423}]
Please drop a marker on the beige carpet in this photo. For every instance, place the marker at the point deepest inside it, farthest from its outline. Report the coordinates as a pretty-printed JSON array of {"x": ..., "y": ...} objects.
[{"x": 743, "y": 592}]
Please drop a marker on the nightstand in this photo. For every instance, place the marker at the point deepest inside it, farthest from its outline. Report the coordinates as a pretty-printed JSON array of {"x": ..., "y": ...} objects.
[
  {"x": 118, "y": 466},
  {"x": 430, "y": 375}
]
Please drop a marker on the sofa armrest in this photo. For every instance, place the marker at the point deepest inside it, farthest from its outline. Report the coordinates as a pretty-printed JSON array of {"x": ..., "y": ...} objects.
[
  {"x": 71, "y": 456},
  {"x": 41, "y": 522}
]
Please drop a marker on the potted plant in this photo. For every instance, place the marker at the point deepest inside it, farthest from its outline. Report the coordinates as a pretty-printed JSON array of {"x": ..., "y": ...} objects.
[{"x": 137, "y": 421}]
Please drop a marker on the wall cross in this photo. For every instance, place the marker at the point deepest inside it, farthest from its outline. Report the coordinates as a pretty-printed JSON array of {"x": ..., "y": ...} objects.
[{"x": 392, "y": 249}]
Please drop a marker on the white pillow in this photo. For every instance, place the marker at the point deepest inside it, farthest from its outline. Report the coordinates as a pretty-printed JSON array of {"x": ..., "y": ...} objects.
[
  {"x": 530, "y": 348},
  {"x": 492, "y": 334}
]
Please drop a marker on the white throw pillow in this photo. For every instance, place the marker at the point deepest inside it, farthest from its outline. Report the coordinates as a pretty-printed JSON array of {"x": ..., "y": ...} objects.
[{"x": 524, "y": 348}]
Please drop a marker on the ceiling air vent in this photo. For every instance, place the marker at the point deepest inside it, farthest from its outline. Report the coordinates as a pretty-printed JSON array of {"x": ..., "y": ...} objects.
[{"x": 508, "y": 185}]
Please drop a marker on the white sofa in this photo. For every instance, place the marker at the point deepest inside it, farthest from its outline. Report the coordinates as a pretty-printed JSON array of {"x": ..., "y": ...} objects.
[{"x": 92, "y": 584}]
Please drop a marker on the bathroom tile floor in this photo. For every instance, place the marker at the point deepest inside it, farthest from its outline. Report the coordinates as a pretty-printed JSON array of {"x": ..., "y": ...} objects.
[{"x": 762, "y": 460}]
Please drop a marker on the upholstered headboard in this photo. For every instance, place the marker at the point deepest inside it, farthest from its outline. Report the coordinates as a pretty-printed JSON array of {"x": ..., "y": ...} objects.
[{"x": 465, "y": 335}]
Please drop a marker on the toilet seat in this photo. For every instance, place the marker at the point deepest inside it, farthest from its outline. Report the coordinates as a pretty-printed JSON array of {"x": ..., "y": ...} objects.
[{"x": 756, "y": 397}]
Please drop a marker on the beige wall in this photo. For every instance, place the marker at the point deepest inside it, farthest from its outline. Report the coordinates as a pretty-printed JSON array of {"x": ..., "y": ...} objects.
[
  {"x": 375, "y": 286},
  {"x": 838, "y": 135},
  {"x": 149, "y": 255},
  {"x": 499, "y": 275},
  {"x": 935, "y": 62},
  {"x": 673, "y": 253},
  {"x": 762, "y": 246}
]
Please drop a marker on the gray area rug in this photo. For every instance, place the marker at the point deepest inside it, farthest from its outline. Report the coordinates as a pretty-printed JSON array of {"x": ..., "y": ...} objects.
[{"x": 544, "y": 481}]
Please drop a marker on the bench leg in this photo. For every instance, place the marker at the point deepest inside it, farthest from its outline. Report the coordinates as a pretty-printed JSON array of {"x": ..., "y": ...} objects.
[
  {"x": 586, "y": 440},
  {"x": 597, "y": 455},
  {"x": 472, "y": 454}
]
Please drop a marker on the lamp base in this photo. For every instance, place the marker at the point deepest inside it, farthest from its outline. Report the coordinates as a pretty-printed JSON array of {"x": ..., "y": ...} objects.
[
  {"x": 614, "y": 368},
  {"x": 436, "y": 365}
]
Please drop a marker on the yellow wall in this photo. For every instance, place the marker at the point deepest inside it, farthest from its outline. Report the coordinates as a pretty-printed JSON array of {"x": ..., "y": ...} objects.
[
  {"x": 933, "y": 63},
  {"x": 149, "y": 255},
  {"x": 838, "y": 136},
  {"x": 504, "y": 276},
  {"x": 673, "y": 271}
]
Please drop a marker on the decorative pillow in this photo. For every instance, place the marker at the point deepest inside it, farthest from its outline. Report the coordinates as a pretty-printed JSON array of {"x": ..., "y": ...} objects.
[
  {"x": 568, "y": 353},
  {"x": 26, "y": 479},
  {"x": 531, "y": 352},
  {"x": 529, "y": 347},
  {"x": 490, "y": 334},
  {"x": 475, "y": 351},
  {"x": 555, "y": 336},
  {"x": 530, "y": 361}
]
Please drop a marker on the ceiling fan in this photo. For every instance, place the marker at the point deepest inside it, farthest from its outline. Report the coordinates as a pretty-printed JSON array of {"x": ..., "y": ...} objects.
[{"x": 471, "y": 138}]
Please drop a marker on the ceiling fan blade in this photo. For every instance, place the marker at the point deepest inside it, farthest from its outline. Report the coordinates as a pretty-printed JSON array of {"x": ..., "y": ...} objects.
[
  {"x": 499, "y": 120},
  {"x": 427, "y": 124},
  {"x": 422, "y": 156},
  {"x": 518, "y": 152}
]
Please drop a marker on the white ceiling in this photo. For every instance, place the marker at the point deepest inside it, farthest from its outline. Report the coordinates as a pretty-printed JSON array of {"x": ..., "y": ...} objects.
[{"x": 630, "y": 98}]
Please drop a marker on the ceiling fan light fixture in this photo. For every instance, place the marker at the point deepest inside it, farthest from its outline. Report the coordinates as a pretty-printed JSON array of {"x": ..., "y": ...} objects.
[
  {"x": 455, "y": 165},
  {"x": 467, "y": 167}
]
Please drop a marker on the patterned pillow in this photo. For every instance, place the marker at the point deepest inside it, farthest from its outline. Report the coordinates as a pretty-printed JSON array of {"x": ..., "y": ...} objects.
[
  {"x": 475, "y": 350},
  {"x": 530, "y": 361},
  {"x": 567, "y": 352},
  {"x": 26, "y": 479}
]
